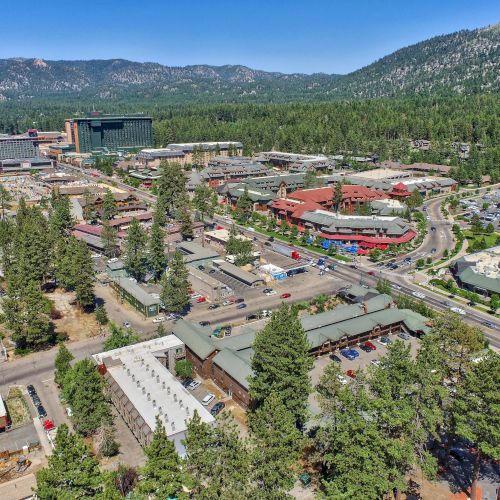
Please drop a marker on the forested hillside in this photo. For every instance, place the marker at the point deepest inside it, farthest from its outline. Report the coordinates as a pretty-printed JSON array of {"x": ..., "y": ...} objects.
[
  {"x": 381, "y": 126},
  {"x": 465, "y": 62}
]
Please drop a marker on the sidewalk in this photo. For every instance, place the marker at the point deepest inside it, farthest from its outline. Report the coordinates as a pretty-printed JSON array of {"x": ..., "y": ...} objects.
[
  {"x": 19, "y": 488},
  {"x": 44, "y": 441}
]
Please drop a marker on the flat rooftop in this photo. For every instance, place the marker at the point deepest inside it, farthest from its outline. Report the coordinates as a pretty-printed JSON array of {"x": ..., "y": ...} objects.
[
  {"x": 150, "y": 386},
  {"x": 381, "y": 174}
]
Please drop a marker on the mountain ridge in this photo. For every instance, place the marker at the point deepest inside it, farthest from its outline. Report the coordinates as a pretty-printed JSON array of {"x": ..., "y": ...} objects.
[{"x": 464, "y": 62}]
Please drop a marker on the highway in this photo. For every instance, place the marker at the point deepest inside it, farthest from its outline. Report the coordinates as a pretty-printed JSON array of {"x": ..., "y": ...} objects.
[{"x": 440, "y": 239}]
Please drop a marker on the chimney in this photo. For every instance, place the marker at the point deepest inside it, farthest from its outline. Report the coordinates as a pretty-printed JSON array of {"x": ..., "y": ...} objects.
[
  {"x": 152, "y": 373},
  {"x": 175, "y": 397},
  {"x": 166, "y": 418},
  {"x": 365, "y": 308},
  {"x": 133, "y": 377},
  {"x": 173, "y": 426},
  {"x": 149, "y": 396},
  {"x": 128, "y": 372},
  {"x": 160, "y": 410},
  {"x": 154, "y": 403},
  {"x": 168, "y": 390},
  {"x": 147, "y": 367},
  {"x": 157, "y": 379},
  {"x": 144, "y": 390},
  {"x": 181, "y": 404},
  {"x": 187, "y": 410},
  {"x": 163, "y": 385}
]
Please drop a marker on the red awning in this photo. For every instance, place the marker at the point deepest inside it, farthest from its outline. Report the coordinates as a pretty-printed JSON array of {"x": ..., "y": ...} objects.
[
  {"x": 382, "y": 246},
  {"x": 362, "y": 251},
  {"x": 368, "y": 245}
]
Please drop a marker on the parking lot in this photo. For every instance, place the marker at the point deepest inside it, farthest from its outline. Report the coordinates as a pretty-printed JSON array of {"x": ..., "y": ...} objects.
[{"x": 362, "y": 362}]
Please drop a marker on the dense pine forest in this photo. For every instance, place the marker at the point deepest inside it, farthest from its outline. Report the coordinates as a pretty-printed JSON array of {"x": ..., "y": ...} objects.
[{"x": 378, "y": 126}]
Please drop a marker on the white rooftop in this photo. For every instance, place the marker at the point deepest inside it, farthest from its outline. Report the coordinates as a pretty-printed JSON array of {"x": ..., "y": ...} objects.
[
  {"x": 152, "y": 388},
  {"x": 381, "y": 174},
  {"x": 355, "y": 217},
  {"x": 486, "y": 262},
  {"x": 3, "y": 410}
]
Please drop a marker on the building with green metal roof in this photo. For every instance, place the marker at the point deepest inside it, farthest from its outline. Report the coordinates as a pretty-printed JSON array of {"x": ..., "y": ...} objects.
[{"x": 227, "y": 361}]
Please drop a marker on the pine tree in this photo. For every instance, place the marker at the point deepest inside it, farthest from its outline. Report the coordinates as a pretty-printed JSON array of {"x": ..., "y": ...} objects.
[
  {"x": 157, "y": 255},
  {"x": 72, "y": 470},
  {"x": 89, "y": 209},
  {"x": 184, "y": 215},
  {"x": 83, "y": 389},
  {"x": 277, "y": 444},
  {"x": 204, "y": 200},
  {"x": 109, "y": 239},
  {"x": 119, "y": 337},
  {"x": 171, "y": 186},
  {"x": 109, "y": 209},
  {"x": 7, "y": 231},
  {"x": 244, "y": 205},
  {"x": 135, "y": 250},
  {"x": 218, "y": 460},
  {"x": 477, "y": 413},
  {"x": 62, "y": 364},
  {"x": 162, "y": 475},
  {"x": 357, "y": 459},
  {"x": 337, "y": 196},
  {"x": 281, "y": 364},
  {"x": 5, "y": 200},
  {"x": 101, "y": 315},
  {"x": 60, "y": 220},
  {"x": 84, "y": 275},
  {"x": 26, "y": 312},
  {"x": 175, "y": 285}
]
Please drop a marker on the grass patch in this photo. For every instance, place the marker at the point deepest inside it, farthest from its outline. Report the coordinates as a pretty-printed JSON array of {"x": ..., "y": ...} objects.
[
  {"x": 476, "y": 240},
  {"x": 17, "y": 407}
]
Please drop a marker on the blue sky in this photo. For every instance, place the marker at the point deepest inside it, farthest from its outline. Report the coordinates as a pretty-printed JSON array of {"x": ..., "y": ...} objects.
[{"x": 275, "y": 35}]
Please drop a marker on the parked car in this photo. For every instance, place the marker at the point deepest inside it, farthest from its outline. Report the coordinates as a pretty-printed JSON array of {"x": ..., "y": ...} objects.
[
  {"x": 489, "y": 324},
  {"x": 126, "y": 324},
  {"x": 375, "y": 362},
  {"x": 36, "y": 399},
  {"x": 201, "y": 268},
  {"x": 31, "y": 390},
  {"x": 395, "y": 287},
  {"x": 193, "y": 385},
  {"x": 370, "y": 345},
  {"x": 207, "y": 399},
  {"x": 385, "y": 340},
  {"x": 251, "y": 317},
  {"x": 419, "y": 295},
  {"x": 342, "y": 379},
  {"x": 187, "y": 381},
  {"x": 204, "y": 323},
  {"x": 335, "y": 358},
  {"x": 199, "y": 300},
  {"x": 371, "y": 273},
  {"x": 351, "y": 373},
  {"x": 213, "y": 306},
  {"x": 350, "y": 354},
  {"x": 271, "y": 292},
  {"x": 227, "y": 303},
  {"x": 159, "y": 319},
  {"x": 212, "y": 271},
  {"x": 217, "y": 408},
  {"x": 241, "y": 306},
  {"x": 458, "y": 310},
  {"x": 267, "y": 290},
  {"x": 404, "y": 336},
  {"x": 239, "y": 301},
  {"x": 285, "y": 295},
  {"x": 41, "y": 411},
  {"x": 458, "y": 455}
]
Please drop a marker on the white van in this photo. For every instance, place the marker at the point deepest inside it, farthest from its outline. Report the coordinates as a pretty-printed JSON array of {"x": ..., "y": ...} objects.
[{"x": 207, "y": 399}]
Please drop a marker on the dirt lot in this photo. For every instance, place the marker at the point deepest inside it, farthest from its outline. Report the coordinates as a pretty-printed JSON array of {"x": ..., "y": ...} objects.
[{"x": 75, "y": 323}]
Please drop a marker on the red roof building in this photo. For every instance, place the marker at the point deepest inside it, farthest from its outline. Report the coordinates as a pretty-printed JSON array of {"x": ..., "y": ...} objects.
[
  {"x": 353, "y": 197},
  {"x": 399, "y": 190}
]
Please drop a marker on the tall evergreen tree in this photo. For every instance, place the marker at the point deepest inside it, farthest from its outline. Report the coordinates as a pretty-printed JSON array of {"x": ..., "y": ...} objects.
[
  {"x": 337, "y": 196},
  {"x": 109, "y": 239},
  {"x": 162, "y": 475},
  {"x": 244, "y": 205},
  {"x": 171, "y": 186},
  {"x": 72, "y": 470},
  {"x": 277, "y": 444},
  {"x": 135, "y": 250},
  {"x": 84, "y": 275},
  {"x": 62, "y": 364},
  {"x": 89, "y": 208},
  {"x": 61, "y": 221},
  {"x": 477, "y": 413},
  {"x": 26, "y": 312},
  {"x": 157, "y": 255},
  {"x": 119, "y": 337},
  {"x": 205, "y": 200},
  {"x": 281, "y": 364},
  {"x": 222, "y": 469},
  {"x": 5, "y": 200},
  {"x": 109, "y": 209},
  {"x": 175, "y": 285},
  {"x": 83, "y": 389}
]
